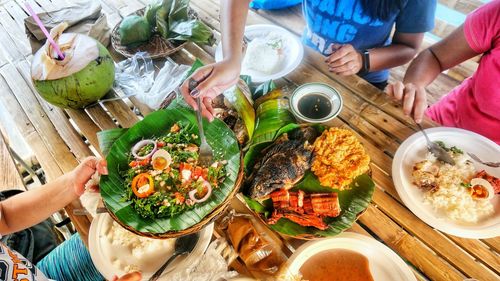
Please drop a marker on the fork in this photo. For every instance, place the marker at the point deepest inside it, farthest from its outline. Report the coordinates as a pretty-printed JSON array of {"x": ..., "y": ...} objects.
[
  {"x": 489, "y": 164},
  {"x": 206, "y": 154},
  {"x": 435, "y": 149}
]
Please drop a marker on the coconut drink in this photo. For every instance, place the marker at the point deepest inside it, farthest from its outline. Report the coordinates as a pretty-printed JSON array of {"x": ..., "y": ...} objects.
[{"x": 84, "y": 76}]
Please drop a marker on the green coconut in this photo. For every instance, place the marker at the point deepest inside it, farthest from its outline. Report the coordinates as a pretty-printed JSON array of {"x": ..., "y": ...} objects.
[{"x": 82, "y": 78}]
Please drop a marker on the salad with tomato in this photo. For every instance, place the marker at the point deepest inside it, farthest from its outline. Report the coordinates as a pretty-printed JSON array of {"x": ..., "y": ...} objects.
[{"x": 164, "y": 177}]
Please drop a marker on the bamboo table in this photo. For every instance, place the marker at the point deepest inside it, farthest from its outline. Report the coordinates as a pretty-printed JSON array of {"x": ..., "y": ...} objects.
[{"x": 55, "y": 136}]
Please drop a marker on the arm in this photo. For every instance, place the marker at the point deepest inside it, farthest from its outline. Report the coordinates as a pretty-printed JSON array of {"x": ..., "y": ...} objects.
[
  {"x": 33, "y": 206},
  {"x": 443, "y": 55},
  {"x": 347, "y": 61},
  {"x": 214, "y": 78}
]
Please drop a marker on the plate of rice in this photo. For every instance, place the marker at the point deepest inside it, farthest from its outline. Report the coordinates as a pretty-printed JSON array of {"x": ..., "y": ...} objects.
[
  {"x": 461, "y": 199},
  {"x": 271, "y": 52},
  {"x": 116, "y": 251}
]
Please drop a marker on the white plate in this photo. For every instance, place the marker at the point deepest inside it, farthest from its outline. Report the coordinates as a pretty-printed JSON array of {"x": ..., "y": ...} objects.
[
  {"x": 102, "y": 259},
  {"x": 385, "y": 265},
  {"x": 294, "y": 51},
  {"x": 414, "y": 149}
]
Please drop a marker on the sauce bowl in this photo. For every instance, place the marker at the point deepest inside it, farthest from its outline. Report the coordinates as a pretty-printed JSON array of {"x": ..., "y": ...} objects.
[{"x": 315, "y": 103}]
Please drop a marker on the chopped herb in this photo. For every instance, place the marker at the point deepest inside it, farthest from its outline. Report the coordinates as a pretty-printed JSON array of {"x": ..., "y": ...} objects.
[
  {"x": 276, "y": 45},
  {"x": 466, "y": 185},
  {"x": 453, "y": 149}
]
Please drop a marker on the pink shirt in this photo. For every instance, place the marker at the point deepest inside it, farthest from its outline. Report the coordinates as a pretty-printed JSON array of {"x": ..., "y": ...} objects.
[{"x": 475, "y": 104}]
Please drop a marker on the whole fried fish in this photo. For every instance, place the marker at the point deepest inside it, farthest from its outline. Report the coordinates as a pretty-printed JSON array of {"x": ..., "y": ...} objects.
[{"x": 284, "y": 164}]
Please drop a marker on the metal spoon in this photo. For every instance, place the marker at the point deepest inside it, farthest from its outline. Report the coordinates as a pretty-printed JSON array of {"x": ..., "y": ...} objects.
[
  {"x": 437, "y": 150},
  {"x": 183, "y": 245}
]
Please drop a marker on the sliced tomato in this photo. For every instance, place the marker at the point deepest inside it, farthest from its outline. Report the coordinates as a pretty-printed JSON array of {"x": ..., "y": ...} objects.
[
  {"x": 133, "y": 164},
  {"x": 160, "y": 144}
]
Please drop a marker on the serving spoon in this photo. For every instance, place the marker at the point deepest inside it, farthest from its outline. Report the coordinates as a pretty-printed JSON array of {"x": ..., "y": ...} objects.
[
  {"x": 435, "y": 149},
  {"x": 183, "y": 245}
]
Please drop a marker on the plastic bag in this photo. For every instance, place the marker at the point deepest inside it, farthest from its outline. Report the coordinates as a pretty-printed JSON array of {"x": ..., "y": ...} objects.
[
  {"x": 136, "y": 78},
  {"x": 212, "y": 266}
]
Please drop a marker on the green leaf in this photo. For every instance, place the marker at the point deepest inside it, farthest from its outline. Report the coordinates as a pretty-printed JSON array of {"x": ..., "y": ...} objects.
[
  {"x": 107, "y": 138},
  {"x": 243, "y": 106},
  {"x": 113, "y": 187},
  {"x": 150, "y": 13},
  {"x": 161, "y": 21},
  {"x": 263, "y": 89},
  {"x": 194, "y": 31},
  {"x": 352, "y": 203},
  {"x": 272, "y": 116},
  {"x": 196, "y": 64}
]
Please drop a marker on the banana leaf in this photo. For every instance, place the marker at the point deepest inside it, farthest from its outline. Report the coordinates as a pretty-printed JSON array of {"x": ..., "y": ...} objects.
[
  {"x": 218, "y": 135},
  {"x": 239, "y": 100},
  {"x": 150, "y": 14},
  {"x": 352, "y": 203},
  {"x": 273, "y": 119},
  {"x": 107, "y": 138},
  {"x": 173, "y": 22}
]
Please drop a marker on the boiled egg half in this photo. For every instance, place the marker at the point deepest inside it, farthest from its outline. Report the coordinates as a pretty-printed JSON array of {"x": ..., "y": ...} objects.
[{"x": 161, "y": 159}]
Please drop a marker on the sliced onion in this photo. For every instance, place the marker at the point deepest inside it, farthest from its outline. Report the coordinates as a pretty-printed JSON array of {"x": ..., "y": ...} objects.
[
  {"x": 139, "y": 145},
  {"x": 193, "y": 192}
]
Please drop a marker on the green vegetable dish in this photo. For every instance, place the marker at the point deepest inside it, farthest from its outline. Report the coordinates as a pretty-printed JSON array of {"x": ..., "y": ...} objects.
[{"x": 164, "y": 178}]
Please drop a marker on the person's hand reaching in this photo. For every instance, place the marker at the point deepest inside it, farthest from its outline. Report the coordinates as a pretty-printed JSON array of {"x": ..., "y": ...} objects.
[
  {"x": 210, "y": 80},
  {"x": 132, "y": 276},
  {"x": 84, "y": 171},
  {"x": 413, "y": 97},
  {"x": 345, "y": 60}
]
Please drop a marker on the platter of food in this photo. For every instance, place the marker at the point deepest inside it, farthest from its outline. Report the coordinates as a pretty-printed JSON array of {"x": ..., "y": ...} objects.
[
  {"x": 461, "y": 199},
  {"x": 272, "y": 52},
  {"x": 155, "y": 186},
  {"x": 117, "y": 251},
  {"x": 349, "y": 256},
  {"x": 310, "y": 182}
]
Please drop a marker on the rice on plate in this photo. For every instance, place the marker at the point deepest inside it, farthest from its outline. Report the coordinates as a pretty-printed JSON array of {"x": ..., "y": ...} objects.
[{"x": 450, "y": 195}]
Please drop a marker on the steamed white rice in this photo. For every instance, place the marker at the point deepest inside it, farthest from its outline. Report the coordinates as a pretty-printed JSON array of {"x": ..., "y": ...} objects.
[
  {"x": 452, "y": 199},
  {"x": 264, "y": 54}
]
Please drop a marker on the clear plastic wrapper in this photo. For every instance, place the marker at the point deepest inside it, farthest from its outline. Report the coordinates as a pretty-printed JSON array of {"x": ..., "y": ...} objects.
[
  {"x": 211, "y": 267},
  {"x": 135, "y": 76}
]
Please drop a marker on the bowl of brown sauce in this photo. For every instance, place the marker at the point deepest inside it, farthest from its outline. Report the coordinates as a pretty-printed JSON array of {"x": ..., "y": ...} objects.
[
  {"x": 346, "y": 257},
  {"x": 315, "y": 103}
]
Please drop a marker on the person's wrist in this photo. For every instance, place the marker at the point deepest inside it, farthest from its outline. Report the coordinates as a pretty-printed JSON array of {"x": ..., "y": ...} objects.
[
  {"x": 70, "y": 186},
  {"x": 364, "y": 58}
]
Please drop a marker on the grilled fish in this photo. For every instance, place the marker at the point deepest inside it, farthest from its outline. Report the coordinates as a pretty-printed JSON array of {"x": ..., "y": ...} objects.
[{"x": 284, "y": 164}]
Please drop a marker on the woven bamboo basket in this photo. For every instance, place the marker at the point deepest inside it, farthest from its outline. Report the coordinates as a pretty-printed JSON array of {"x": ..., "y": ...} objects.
[
  {"x": 197, "y": 227},
  {"x": 156, "y": 47}
]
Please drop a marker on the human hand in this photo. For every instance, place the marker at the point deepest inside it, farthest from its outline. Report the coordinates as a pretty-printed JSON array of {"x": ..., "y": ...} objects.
[
  {"x": 414, "y": 98},
  {"x": 132, "y": 276},
  {"x": 212, "y": 80},
  {"x": 345, "y": 60},
  {"x": 84, "y": 171}
]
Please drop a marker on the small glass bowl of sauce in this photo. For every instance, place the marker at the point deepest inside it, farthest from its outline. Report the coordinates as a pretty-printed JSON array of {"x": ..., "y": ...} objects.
[{"x": 315, "y": 103}]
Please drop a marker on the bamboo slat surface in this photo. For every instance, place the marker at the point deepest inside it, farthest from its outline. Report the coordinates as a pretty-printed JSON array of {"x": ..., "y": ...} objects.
[{"x": 59, "y": 138}]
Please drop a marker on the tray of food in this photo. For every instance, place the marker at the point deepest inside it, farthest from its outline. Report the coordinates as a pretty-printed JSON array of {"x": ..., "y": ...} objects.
[
  {"x": 155, "y": 186},
  {"x": 460, "y": 199}
]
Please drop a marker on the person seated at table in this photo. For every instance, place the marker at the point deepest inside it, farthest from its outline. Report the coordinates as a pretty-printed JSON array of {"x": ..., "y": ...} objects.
[
  {"x": 474, "y": 104},
  {"x": 31, "y": 207},
  {"x": 354, "y": 36}
]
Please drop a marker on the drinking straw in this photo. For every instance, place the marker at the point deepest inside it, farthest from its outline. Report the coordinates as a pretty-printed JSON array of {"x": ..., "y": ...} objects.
[{"x": 44, "y": 30}]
